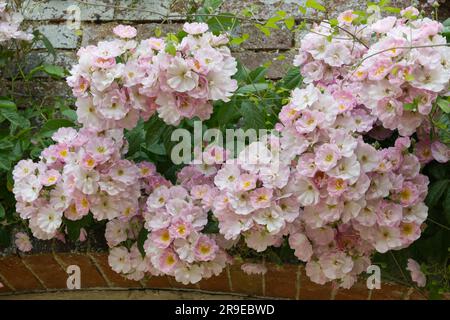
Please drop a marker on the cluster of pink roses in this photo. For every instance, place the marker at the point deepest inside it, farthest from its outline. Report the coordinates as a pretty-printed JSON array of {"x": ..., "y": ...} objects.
[
  {"x": 10, "y": 23},
  {"x": 117, "y": 82},
  {"x": 176, "y": 246},
  {"x": 355, "y": 198},
  {"x": 336, "y": 197},
  {"x": 175, "y": 218},
  {"x": 83, "y": 172},
  {"x": 407, "y": 64}
]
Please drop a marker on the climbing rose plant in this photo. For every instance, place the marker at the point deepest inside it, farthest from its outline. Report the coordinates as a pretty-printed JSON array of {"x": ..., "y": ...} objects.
[{"x": 336, "y": 194}]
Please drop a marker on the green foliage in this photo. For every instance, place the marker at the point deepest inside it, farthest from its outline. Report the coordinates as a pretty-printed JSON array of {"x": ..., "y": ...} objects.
[
  {"x": 27, "y": 122},
  {"x": 74, "y": 227},
  {"x": 142, "y": 237},
  {"x": 212, "y": 226},
  {"x": 313, "y": 4}
]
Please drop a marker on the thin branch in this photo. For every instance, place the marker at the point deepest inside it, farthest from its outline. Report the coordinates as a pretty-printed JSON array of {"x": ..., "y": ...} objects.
[
  {"x": 403, "y": 47},
  {"x": 439, "y": 224}
]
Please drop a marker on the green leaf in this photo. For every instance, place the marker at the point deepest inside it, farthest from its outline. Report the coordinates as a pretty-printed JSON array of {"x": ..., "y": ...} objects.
[
  {"x": 263, "y": 29},
  {"x": 313, "y": 4},
  {"x": 154, "y": 128},
  {"x": 253, "y": 117},
  {"x": 74, "y": 227},
  {"x": 70, "y": 114},
  {"x": 157, "y": 149},
  {"x": 212, "y": 226},
  {"x": 14, "y": 117},
  {"x": 171, "y": 49},
  {"x": 334, "y": 22},
  {"x": 447, "y": 22},
  {"x": 2, "y": 212},
  {"x": 292, "y": 79},
  {"x": 142, "y": 237},
  {"x": 242, "y": 72},
  {"x": 7, "y": 104},
  {"x": 38, "y": 36},
  {"x": 54, "y": 71},
  {"x": 226, "y": 22},
  {"x": 302, "y": 9},
  {"x": 5, "y": 144},
  {"x": 272, "y": 22},
  {"x": 54, "y": 124},
  {"x": 446, "y": 32},
  {"x": 212, "y": 5},
  {"x": 289, "y": 22},
  {"x": 5, "y": 163},
  {"x": 250, "y": 88},
  {"x": 239, "y": 40},
  {"x": 443, "y": 104},
  {"x": 136, "y": 138},
  {"x": 436, "y": 191},
  {"x": 257, "y": 75},
  {"x": 410, "y": 106},
  {"x": 391, "y": 10}
]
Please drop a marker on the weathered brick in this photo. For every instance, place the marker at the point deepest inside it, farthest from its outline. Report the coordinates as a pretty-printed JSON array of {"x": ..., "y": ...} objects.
[
  {"x": 359, "y": 291},
  {"x": 389, "y": 291},
  {"x": 262, "y": 9},
  {"x": 277, "y": 69},
  {"x": 65, "y": 59},
  {"x": 17, "y": 274},
  {"x": 160, "y": 282},
  {"x": 93, "y": 33},
  {"x": 116, "y": 279},
  {"x": 5, "y": 289},
  {"x": 178, "y": 285},
  {"x": 44, "y": 88},
  {"x": 414, "y": 294},
  {"x": 245, "y": 283},
  {"x": 278, "y": 39},
  {"x": 47, "y": 269},
  {"x": 90, "y": 276},
  {"x": 144, "y": 10},
  {"x": 313, "y": 291},
  {"x": 218, "y": 283},
  {"x": 59, "y": 35},
  {"x": 281, "y": 281},
  {"x": 56, "y": 9}
]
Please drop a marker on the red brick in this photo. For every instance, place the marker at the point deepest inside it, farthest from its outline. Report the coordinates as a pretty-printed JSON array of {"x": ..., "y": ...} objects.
[
  {"x": 47, "y": 269},
  {"x": 90, "y": 276},
  {"x": 161, "y": 282},
  {"x": 414, "y": 294},
  {"x": 216, "y": 283},
  {"x": 389, "y": 291},
  {"x": 116, "y": 279},
  {"x": 281, "y": 281},
  {"x": 18, "y": 275},
  {"x": 5, "y": 288},
  {"x": 359, "y": 291},
  {"x": 245, "y": 283},
  {"x": 313, "y": 291},
  {"x": 178, "y": 285}
]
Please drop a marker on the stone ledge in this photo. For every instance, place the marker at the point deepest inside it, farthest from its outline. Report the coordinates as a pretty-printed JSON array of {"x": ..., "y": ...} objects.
[{"x": 39, "y": 10}]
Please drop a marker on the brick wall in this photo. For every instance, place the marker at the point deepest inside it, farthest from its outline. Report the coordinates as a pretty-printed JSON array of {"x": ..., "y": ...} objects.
[
  {"x": 98, "y": 19},
  {"x": 42, "y": 272}
]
